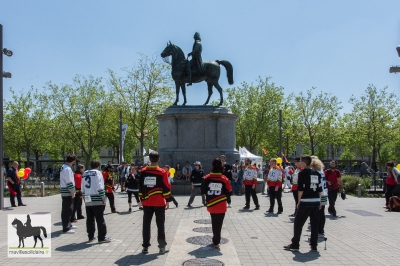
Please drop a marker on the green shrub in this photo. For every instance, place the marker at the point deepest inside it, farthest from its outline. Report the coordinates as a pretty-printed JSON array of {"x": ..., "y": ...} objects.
[{"x": 351, "y": 182}]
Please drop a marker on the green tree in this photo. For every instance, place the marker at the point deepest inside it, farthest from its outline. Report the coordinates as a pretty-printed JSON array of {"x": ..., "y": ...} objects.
[
  {"x": 373, "y": 119},
  {"x": 258, "y": 109},
  {"x": 82, "y": 111},
  {"x": 315, "y": 112},
  {"x": 25, "y": 125},
  {"x": 143, "y": 92}
]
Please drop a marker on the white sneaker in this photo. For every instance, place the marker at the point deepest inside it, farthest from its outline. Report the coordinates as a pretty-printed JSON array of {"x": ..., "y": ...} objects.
[
  {"x": 229, "y": 205},
  {"x": 70, "y": 231},
  {"x": 74, "y": 227}
]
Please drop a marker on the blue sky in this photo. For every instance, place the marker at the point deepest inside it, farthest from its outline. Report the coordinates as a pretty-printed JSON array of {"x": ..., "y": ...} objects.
[{"x": 337, "y": 46}]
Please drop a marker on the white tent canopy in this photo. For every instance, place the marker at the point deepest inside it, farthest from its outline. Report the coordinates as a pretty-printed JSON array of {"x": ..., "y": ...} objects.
[{"x": 244, "y": 153}]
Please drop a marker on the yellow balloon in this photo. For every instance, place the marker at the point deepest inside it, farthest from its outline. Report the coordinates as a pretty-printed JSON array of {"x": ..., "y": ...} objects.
[
  {"x": 21, "y": 173},
  {"x": 398, "y": 166},
  {"x": 172, "y": 172},
  {"x": 279, "y": 160}
]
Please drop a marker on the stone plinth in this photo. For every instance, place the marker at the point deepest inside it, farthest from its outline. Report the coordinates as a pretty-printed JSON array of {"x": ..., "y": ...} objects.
[{"x": 196, "y": 133}]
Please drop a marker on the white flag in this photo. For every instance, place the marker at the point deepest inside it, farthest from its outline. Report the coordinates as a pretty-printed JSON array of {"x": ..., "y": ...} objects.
[
  {"x": 144, "y": 151},
  {"x": 123, "y": 133}
]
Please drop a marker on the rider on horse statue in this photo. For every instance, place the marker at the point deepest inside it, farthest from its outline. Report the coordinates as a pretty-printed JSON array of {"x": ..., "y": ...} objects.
[{"x": 197, "y": 62}]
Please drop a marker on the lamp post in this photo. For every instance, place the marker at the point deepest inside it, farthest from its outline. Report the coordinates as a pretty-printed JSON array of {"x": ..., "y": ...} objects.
[
  {"x": 280, "y": 134},
  {"x": 395, "y": 69},
  {"x": 3, "y": 75}
]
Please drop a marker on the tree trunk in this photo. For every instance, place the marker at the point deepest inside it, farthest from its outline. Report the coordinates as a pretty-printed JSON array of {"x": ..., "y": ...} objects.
[{"x": 373, "y": 165}]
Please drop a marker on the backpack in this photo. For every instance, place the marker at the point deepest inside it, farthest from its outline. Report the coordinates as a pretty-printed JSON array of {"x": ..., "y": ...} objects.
[{"x": 394, "y": 204}]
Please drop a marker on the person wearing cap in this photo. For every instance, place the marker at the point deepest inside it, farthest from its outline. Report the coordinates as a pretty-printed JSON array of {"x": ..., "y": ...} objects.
[{"x": 196, "y": 178}]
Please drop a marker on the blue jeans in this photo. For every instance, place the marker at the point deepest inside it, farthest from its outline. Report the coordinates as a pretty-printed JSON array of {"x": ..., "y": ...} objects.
[{"x": 236, "y": 184}]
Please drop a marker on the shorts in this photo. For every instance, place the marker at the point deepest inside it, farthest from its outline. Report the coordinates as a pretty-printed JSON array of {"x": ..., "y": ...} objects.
[{"x": 122, "y": 179}]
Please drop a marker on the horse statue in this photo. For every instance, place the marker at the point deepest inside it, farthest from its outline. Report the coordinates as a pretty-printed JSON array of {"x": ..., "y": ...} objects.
[
  {"x": 27, "y": 231},
  {"x": 210, "y": 74}
]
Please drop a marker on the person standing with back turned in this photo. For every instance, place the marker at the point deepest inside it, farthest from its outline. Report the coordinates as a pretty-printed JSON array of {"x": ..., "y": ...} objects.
[
  {"x": 154, "y": 191},
  {"x": 216, "y": 187},
  {"x": 309, "y": 191}
]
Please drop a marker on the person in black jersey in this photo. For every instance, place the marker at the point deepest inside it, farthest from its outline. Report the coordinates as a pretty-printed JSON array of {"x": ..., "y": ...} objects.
[{"x": 309, "y": 193}]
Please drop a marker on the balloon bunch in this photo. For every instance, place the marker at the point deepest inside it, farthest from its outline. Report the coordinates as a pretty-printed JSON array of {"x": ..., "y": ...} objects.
[
  {"x": 24, "y": 173},
  {"x": 172, "y": 172}
]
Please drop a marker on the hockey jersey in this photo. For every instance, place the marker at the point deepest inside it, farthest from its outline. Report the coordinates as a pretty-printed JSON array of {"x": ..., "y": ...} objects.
[
  {"x": 93, "y": 192},
  {"x": 67, "y": 183},
  {"x": 216, "y": 187},
  {"x": 275, "y": 177},
  {"x": 154, "y": 188},
  {"x": 250, "y": 176}
]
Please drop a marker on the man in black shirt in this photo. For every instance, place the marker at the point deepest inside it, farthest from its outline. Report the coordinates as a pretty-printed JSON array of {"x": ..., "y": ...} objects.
[{"x": 309, "y": 194}]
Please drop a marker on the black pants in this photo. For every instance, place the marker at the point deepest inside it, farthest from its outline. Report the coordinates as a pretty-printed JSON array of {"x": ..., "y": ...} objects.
[
  {"x": 388, "y": 193},
  {"x": 67, "y": 208},
  {"x": 148, "y": 212},
  {"x": 130, "y": 196},
  {"x": 217, "y": 219},
  {"x": 332, "y": 197},
  {"x": 195, "y": 191},
  {"x": 96, "y": 213},
  {"x": 275, "y": 195},
  {"x": 303, "y": 212},
  {"x": 77, "y": 208},
  {"x": 110, "y": 197},
  {"x": 174, "y": 200},
  {"x": 296, "y": 199},
  {"x": 321, "y": 220},
  {"x": 248, "y": 190},
  {"x": 17, "y": 189}
]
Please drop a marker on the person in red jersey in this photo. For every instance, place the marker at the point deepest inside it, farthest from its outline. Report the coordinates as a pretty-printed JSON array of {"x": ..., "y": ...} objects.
[
  {"x": 155, "y": 194},
  {"x": 109, "y": 186},
  {"x": 391, "y": 181},
  {"x": 334, "y": 183},
  {"x": 216, "y": 188},
  {"x": 249, "y": 184},
  {"x": 295, "y": 179},
  {"x": 274, "y": 182},
  {"x": 80, "y": 168}
]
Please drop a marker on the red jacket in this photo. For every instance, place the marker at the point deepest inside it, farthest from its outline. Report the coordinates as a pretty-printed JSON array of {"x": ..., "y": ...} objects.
[
  {"x": 108, "y": 182},
  {"x": 154, "y": 188},
  {"x": 216, "y": 187},
  {"x": 78, "y": 182}
]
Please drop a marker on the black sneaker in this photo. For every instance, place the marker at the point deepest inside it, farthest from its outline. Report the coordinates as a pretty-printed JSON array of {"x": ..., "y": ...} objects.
[
  {"x": 92, "y": 239},
  {"x": 292, "y": 215},
  {"x": 246, "y": 207},
  {"x": 314, "y": 248},
  {"x": 176, "y": 205},
  {"x": 105, "y": 240},
  {"x": 334, "y": 214},
  {"x": 291, "y": 247},
  {"x": 257, "y": 208},
  {"x": 130, "y": 209},
  {"x": 270, "y": 210},
  {"x": 280, "y": 211},
  {"x": 189, "y": 206},
  {"x": 163, "y": 251},
  {"x": 145, "y": 250}
]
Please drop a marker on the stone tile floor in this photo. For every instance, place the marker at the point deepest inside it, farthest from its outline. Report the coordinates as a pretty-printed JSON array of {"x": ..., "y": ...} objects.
[{"x": 363, "y": 234}]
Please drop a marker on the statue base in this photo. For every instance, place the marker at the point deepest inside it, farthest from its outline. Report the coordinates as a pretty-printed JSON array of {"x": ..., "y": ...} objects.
[{"x": 196, "y": 133}]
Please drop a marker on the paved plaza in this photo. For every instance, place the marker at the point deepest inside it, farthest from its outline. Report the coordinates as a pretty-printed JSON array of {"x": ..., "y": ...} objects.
[{"x": 362, "y": 234}]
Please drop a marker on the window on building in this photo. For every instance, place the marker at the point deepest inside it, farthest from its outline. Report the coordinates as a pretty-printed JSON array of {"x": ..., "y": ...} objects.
[{"x": 110, "y": 152}]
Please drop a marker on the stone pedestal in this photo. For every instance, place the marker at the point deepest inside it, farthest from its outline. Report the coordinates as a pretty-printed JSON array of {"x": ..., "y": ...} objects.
[{"x": 196, "y": 133}]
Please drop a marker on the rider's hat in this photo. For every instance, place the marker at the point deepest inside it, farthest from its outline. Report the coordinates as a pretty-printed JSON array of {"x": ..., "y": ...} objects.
[{"x": 197, "y": 36}]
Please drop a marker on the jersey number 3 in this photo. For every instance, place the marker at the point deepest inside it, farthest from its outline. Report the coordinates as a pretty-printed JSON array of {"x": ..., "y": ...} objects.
[{"x": 87, "y": 179}]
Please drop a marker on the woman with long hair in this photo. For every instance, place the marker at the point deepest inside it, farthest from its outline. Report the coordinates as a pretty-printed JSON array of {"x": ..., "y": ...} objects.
[
  {"x": 216, "y": 187},
  {"x": 78, "y": 195},
  {"x": 132, "y": 186}
]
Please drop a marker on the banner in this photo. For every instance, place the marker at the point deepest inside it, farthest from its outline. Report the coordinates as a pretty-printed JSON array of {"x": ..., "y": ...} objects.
[{"x": 123, "y": 133}]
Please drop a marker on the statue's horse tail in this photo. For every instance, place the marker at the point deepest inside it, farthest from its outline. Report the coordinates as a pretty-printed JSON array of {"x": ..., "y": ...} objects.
[
  {"x": 44, "y": 231},
  {"x": 229, "y": 69}
]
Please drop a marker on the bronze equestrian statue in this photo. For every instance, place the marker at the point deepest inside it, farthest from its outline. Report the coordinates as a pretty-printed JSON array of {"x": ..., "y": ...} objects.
[{"x": 194, "y": 71}]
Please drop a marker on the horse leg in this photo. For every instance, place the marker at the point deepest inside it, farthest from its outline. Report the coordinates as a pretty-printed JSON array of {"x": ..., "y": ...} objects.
[
  {"x": 19, "y": 242},
  {"x": 183, "y": 87},
  {"x": 210, "y": 92},
  {"x": 23, "y": 244},
  {"x": 41, "y": 240},
  {"x": 35, "y": 237},
  {"x": 177, "y": 93},
  {"x": 218, "y": 87}
]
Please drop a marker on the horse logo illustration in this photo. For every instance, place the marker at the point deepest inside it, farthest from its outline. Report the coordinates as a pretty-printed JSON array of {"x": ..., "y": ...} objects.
[{"x": 24, "y": 231}]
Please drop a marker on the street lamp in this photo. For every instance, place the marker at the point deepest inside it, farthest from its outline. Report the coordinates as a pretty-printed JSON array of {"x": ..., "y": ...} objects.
[
  {"x": 395, "y": 69},
  {"x": 8, "y": 53}
]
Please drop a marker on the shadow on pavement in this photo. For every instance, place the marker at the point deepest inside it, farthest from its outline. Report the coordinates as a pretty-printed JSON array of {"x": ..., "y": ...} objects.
[
  {"x": 137, "y": 259},
  {"x": 57, "y": 223},
  {"x": 56, "y": 233},
  {"x": 74, "y": 247},
  {"x": 334, "y": 218},
  {"x": 245, "y": 210},
  {"x": 205, "y": 252},
  {"x": 305, "y": 257}
]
